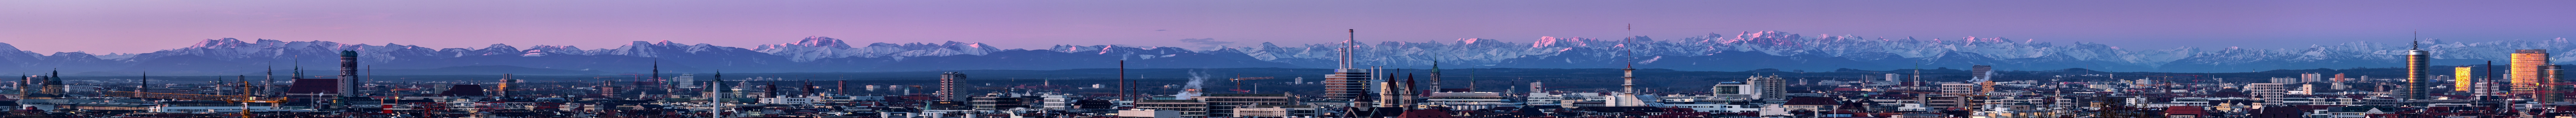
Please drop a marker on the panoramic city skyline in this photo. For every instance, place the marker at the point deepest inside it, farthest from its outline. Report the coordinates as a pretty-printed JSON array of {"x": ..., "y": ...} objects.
[
  {"x": 101, "y": 27},
  {"x": 1296, "y": 59}
]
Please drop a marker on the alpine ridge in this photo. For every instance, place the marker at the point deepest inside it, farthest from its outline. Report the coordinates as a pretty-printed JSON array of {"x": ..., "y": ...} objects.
[{"x": 1712, "y": 52}]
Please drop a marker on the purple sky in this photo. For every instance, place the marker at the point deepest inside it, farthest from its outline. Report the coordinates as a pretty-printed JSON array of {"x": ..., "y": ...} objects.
[{"x": 123, "y": 26}]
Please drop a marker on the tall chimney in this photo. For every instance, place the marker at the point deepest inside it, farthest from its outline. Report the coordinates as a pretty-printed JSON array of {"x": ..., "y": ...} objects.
[{"x": 1348, "y": 82}]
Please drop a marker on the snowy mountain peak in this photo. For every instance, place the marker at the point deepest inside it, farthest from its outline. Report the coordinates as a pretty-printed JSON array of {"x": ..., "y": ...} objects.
[
  {"x": 222, "y": 43},
  {"x": 818, "y": 41},
  {"x": 1550, "y": 41}
]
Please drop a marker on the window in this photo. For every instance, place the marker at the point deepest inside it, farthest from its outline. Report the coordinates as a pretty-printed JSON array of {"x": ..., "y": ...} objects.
[{"x": 1729, "y": 90}]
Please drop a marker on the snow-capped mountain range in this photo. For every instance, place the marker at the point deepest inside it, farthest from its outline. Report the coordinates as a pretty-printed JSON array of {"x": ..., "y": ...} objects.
[{"x": 1712, "y": 52}]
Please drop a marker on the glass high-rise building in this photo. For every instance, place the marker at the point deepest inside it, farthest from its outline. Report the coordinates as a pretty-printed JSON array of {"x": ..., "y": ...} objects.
[
  {"x": 2462, "y": 78},
  {"x": 2525, "y": 71}
]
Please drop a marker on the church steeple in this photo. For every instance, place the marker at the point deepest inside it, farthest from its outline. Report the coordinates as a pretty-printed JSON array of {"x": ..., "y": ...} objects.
[{"x": 1435, "y": 76}]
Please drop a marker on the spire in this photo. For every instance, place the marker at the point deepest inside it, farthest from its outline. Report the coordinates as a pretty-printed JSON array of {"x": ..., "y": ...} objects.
[
  {"x": 55, "y": 78},
  {"x": 271, "y": 75},
  {"x": 299, "y": 68},
  {"x": 24, "y": 79},
  {"x": 2418, "y": 42},
  {"x": 657, "y": 68}
]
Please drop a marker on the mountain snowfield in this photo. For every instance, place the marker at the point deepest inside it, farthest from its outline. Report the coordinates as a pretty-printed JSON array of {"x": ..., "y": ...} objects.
[{"x": 1712, "y": 52}]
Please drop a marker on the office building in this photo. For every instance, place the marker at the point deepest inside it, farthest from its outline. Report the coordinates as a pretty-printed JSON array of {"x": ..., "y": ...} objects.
[
  {"x": 1772, "y": 87},
  {"x": 997, "y": 103},
  {"x": 2461, "y": 78},
  {"x": 2416, "y": 62},
  {"x": 1187, "y": 108},
  {"x": 685, "y": 81},
  {"x": 1959, "y": 88},
  {"x": 2267, "y": 90},
  {"x": 948, "y": 85},
  {"x": 2525, "y": 71},
  {"x": 1347, "y": 83},
  {"x": 1892, "y": 77},
  {"x": 1223, "y": 105},
  {"x": 1738, "y": 90}
]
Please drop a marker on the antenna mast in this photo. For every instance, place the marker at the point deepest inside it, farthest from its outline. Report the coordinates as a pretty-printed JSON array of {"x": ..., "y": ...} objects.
[{"x": 1628, "y": 76}]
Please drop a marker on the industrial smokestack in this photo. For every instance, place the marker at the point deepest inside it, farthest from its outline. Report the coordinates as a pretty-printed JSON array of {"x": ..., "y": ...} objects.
[
  {"x": 1122, "y": 80},
  {"x": 1348, "y": 82},
  {"x": 2494, "y": 88}
]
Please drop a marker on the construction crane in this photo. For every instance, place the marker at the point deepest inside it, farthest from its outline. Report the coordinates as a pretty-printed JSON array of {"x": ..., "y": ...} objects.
[{"x": 1238, "y": 82}]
